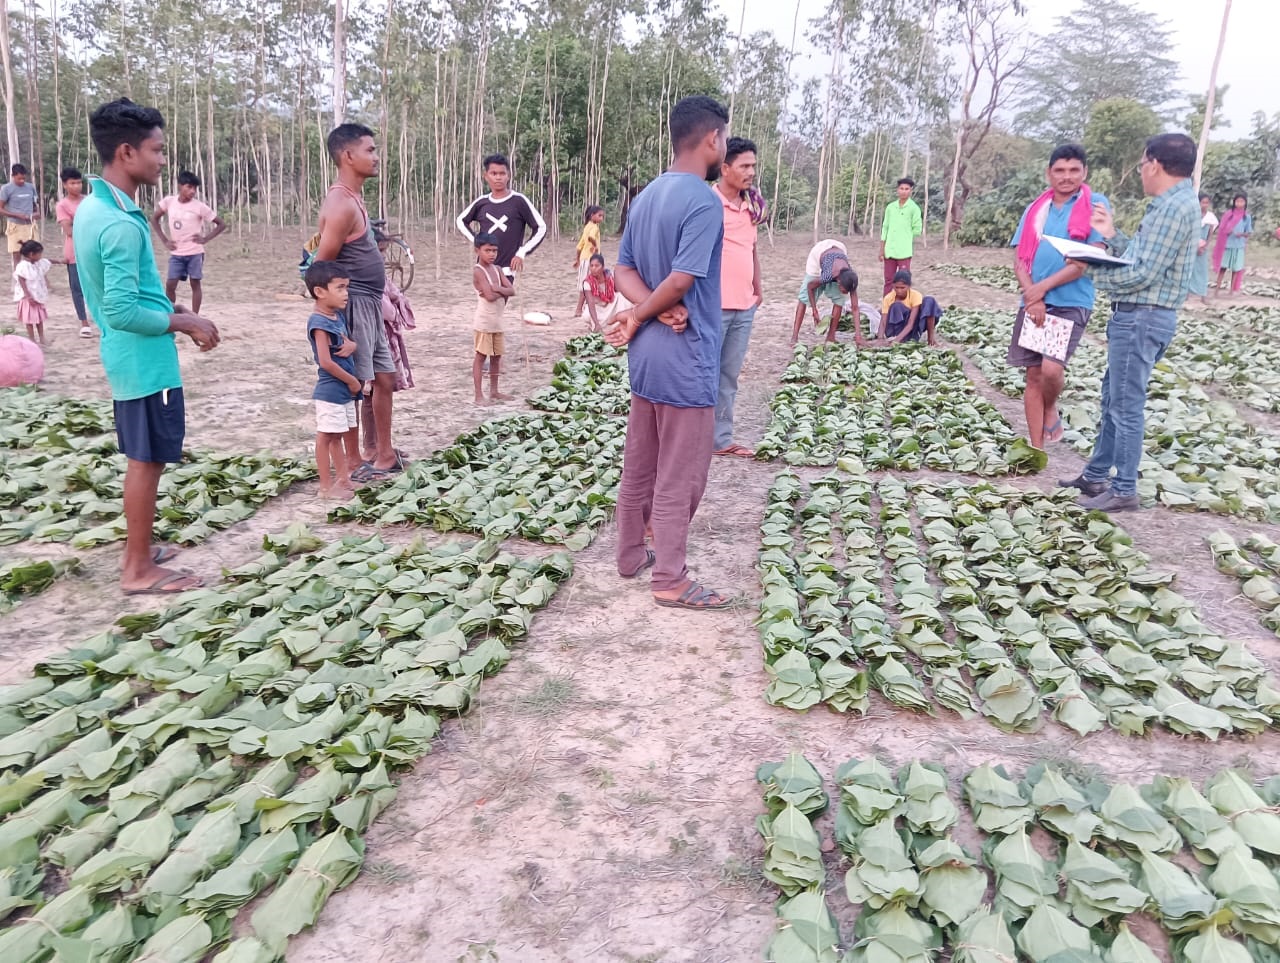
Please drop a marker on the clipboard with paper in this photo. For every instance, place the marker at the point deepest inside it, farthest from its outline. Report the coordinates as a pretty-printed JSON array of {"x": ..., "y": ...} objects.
[
  {"x": 1050, "y": 339},
  {"x": 1079, "y": 251}
]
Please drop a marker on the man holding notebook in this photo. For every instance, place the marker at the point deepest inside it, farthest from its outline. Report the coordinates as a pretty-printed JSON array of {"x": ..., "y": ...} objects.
[{"x": 1057, "y": 295}]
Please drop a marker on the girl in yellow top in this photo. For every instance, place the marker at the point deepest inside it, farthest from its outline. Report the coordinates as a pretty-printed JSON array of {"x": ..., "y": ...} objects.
[
  {"x": 908, "y": 313},
  {"x": 588, "y": 247}
]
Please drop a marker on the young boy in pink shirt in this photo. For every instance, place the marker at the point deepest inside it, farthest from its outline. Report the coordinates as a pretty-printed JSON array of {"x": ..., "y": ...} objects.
[
  {"x": 65, "y": 214},
  {"x": 188, "y": 234}
]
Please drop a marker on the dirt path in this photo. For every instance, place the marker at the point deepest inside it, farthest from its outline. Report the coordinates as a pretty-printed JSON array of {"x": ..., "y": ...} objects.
[{"x": 598, "y": 802}]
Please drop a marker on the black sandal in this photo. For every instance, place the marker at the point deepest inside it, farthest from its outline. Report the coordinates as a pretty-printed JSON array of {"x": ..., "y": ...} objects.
[{"x": 695, "y": 596}]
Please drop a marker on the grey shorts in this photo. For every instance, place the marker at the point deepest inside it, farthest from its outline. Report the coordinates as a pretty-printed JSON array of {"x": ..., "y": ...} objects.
[
  {"x": 373, "y": 353},
  {"x": 183, "y": 266},
  {"x": 1020, "y": 357}
]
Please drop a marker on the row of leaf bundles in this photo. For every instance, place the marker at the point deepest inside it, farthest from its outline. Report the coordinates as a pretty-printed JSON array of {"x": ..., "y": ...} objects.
[
  {"x": 880, "y": 410},
  {"x": 54, "y": 494},
  {"x": 1116, "y": 850},
  {"x": 23, "y": 577},
  {"x": 550, "y": 478},
  {"x": 1258, "y": 578},
  {"x": 804, "y": 611},
  {"x": 1238, "y": 351},
  {"x": 591, "y": 377},
  {"x": 34, "y": 418},
  {"x": 177, "y": 780},
  {"x": 1077, "y": 605}
]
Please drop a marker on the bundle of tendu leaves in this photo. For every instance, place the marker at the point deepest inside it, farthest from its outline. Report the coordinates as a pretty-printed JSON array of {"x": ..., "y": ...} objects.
[
  {"x": 551, "y": 478},
  {"x": 592, "y": 377},
  {"x": 238, "y": 744},
  {"x": 1008, "y": 603},
  {"x": 876, "y": 408}
]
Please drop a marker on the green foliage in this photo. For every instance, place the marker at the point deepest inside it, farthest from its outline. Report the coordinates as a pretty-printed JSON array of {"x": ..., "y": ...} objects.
[
  {"x": 1111, "y": 50},
  {"x": 1114, "y": 137},
  {"x": 992, "y": 218}
]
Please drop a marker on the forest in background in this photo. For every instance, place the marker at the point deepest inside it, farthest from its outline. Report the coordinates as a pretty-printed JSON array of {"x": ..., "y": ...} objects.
[{"x": 577, "y": 93}]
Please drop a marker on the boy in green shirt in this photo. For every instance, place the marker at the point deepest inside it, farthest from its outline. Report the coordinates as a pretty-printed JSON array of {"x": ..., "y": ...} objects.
[
  {"x": 902, "y": 225},
  {"x": 127, "y": 301}
]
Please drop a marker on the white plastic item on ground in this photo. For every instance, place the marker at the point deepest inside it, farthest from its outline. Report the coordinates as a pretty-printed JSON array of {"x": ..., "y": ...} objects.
[
  {"x": 537, "y": 317},
  {"x": 21, "y": 361}
]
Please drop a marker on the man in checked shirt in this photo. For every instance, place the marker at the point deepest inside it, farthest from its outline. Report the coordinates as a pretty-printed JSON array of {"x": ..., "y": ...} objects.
[{"x": 1148, "y": 293}]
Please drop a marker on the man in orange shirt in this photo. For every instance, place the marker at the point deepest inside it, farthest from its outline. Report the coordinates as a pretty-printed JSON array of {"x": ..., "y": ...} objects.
[{"x": 739, "y": 283}]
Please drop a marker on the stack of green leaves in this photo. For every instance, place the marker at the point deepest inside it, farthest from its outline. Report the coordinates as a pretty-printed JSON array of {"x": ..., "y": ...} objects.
[
  {"x": 838, "y": 402},
  {"x": 551, "y": 478},
  {"x": 992, "y": 276},
  {"x": 22, "y": 577},
  {"x": 1261, "y": 289},
  {"x": 1238, "y": 351},
  {"x": 62, "y": 478},
  {"x": 793, "y": 796},
  {"x": 241, "y": 741},
  {"x": 592, "y": 377},
  {"x": 1072, "y": 858},
  {"x": 1199, "y": 453},
  {"x": 1042, "y": 606},
  {"x": 1257, "y": 566}
]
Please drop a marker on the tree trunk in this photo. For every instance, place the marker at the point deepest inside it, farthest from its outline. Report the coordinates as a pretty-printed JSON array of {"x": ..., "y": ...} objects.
[
  {"x": 1211, "y": 96},
  {"x": 782, "y": 126},
  {"x": 57, "y": 90},
  {"x": 339, "y": 64},
  {"x": 11, "y": 122}
]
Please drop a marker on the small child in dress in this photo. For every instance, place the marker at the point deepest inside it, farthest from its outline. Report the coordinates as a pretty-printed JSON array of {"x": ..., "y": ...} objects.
[
  {"x": 492, "y": 290},
  {"x": 588, "y": 247},
  {"x": 337, "y": 386},
  {"x": 31, "y": 289}
]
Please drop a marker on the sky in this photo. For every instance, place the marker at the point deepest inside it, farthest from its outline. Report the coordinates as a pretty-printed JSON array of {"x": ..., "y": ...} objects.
[{"x": 1248, "y": 60}]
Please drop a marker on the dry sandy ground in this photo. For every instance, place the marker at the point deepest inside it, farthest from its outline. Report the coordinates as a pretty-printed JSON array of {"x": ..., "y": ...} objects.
[{"x": 598, "y": 802}]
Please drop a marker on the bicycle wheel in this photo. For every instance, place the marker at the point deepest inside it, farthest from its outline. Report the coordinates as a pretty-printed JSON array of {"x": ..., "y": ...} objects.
[{"x": 398, "y": 262}]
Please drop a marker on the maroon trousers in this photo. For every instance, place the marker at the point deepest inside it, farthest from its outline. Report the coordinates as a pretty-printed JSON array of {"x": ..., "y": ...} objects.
[
  {"x": 664, "y": 473},
  {"x": 891, "y": 267}
]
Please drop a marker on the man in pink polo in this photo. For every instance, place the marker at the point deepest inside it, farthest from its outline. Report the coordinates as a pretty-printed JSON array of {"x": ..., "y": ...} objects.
[{"x": 739, "y": 282}]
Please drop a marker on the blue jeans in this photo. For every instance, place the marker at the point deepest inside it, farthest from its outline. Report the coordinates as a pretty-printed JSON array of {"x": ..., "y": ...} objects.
[
  {"x": 1136, "y": 341},
  {"x": 735, "y": 337}
]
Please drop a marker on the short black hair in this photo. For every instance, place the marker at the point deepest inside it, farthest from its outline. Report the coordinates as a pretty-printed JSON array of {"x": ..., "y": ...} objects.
[
  {"x": 31, "y": 247},
  {"x": 591, "y": 211},
  {"x": 343, "y": 136},
  {"x": 122, "y": 122},
  {"x": 692, "y": 118},
  {"x": 70, "y": 174},
  {"x": 1205, "y": 197},
  {"x": 847, "y": 280},
  {"x": 597, "y": 257},
  {"x": 499, "y": 159},
  {"x": 905, "y": 180},
  {"x": 1069, "y": 152},
  {"x": 188, "y": 178},
  {"x": 484, "y": 239},
  {"x": 19, "y": 169},
  {"x": 902, "y": 277},
  {"x": 320, "y": 274},
  {"x": 738, "y": 146},
  {"x": 1176, "y": 153}
]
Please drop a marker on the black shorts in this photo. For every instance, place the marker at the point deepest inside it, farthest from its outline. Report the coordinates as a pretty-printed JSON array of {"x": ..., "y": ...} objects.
[{"x": 152, "y": 428}]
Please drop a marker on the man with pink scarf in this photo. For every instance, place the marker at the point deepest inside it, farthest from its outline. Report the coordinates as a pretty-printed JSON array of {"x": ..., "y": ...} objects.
[{"x": 1051, "y": 285}]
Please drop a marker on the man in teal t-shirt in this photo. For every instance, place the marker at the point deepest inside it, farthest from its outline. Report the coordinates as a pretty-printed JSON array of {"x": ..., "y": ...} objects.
[{"x": 122, "y": 287}]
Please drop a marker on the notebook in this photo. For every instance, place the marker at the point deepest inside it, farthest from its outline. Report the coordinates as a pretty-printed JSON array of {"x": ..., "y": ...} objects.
[{"x": 1050, "y": 340}]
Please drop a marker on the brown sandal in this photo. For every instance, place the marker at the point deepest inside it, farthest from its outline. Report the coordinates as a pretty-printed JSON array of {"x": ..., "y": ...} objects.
[{"x": 695, "y": 596}]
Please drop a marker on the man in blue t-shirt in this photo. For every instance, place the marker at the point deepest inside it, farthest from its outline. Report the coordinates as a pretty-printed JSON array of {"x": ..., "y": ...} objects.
[
  {"x": 1052, "y": 286},
  {"x": 669, "y": 268}
]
